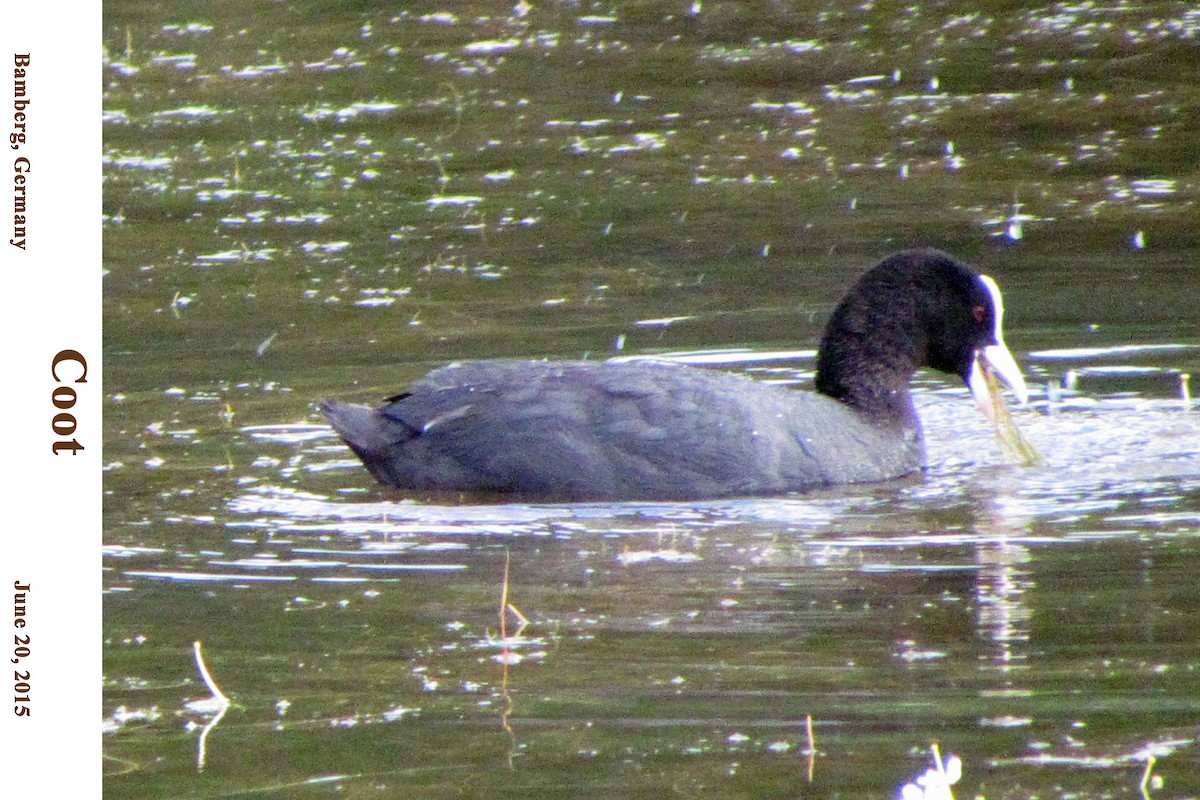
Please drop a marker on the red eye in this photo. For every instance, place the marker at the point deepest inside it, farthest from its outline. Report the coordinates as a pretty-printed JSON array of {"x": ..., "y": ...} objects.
[{"x": 980, "y": 314}]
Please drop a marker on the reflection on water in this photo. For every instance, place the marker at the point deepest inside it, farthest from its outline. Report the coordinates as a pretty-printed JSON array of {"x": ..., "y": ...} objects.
[
  {"x": 956, "y": 608},
  {"x": 309, "y": 201}
]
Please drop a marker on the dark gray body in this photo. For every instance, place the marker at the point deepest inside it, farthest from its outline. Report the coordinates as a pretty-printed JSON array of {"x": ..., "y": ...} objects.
[{"x": 583, "y": 430}]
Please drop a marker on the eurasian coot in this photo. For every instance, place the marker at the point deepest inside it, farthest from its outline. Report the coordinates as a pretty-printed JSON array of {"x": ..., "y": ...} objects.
[{"x": 644, "y": 429}]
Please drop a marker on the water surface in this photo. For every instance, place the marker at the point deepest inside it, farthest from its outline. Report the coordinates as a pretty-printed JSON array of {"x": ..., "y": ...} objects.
[{"x": 304, "y": 201}]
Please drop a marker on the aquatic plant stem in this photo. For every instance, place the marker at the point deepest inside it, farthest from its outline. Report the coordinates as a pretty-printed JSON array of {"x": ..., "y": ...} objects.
[
  {"x": 207, "y": 676},
  {"x": 812, "y": 747},
  {"x": 1011, "y": 439}
]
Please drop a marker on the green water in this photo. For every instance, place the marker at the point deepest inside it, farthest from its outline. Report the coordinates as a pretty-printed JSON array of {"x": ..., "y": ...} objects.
[{"x": 307, "y": 200}]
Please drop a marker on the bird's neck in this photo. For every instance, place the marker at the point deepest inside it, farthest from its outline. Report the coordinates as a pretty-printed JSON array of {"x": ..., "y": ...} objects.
[{"x": 875, "y": 388}]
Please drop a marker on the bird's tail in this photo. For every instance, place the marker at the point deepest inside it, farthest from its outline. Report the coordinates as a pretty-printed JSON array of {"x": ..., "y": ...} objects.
[{"x": 362, "y": 427}]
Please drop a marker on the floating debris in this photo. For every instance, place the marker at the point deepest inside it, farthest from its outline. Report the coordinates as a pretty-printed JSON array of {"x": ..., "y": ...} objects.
[
  {"x": 264, "y": 344},
  {"x": 935, "y": 783}
]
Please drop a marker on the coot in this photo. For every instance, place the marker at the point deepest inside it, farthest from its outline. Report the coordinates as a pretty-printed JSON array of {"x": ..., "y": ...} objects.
[{"x": 644, "y": 429}]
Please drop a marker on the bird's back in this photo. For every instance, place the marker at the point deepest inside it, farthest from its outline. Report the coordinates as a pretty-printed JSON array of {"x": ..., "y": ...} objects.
[{"x": 609, "y": 430}]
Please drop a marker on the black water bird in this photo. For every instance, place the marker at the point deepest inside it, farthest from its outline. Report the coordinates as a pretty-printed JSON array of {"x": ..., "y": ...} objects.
[{"x": 645, "y": 429}]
